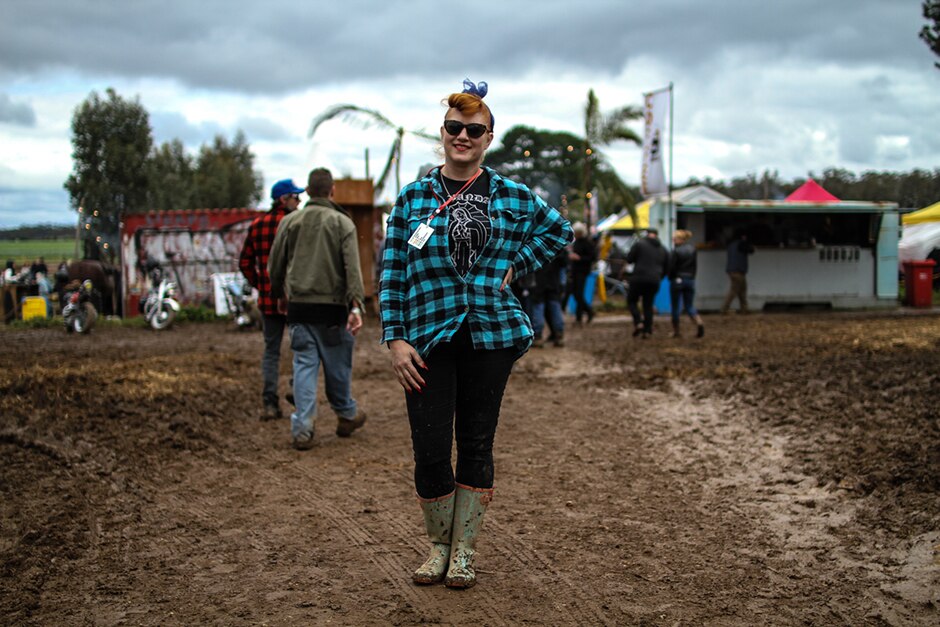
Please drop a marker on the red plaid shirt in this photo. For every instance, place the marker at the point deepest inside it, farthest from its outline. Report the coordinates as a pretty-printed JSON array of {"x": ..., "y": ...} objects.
[{"x": 253, "y": 261}]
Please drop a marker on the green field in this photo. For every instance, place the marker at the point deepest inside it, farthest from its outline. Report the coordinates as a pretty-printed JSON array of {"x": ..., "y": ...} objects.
[{"x": 28, "y": 250}]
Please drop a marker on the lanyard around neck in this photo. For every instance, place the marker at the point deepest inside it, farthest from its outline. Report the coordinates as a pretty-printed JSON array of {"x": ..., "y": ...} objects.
[{"x": 459, "y": 192}]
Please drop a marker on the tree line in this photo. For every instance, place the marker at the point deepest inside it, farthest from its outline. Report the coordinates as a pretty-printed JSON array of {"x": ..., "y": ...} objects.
[
  {"x": 117, "y": 170},
  {"x": 910, "y": 190},
  {"x": 38, "y": 231}
]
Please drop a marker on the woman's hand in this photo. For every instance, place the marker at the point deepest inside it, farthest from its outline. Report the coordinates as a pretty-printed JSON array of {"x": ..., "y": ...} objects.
[
  {"x": 506, "y": 280},
  {"x": 405, "y": 362}
]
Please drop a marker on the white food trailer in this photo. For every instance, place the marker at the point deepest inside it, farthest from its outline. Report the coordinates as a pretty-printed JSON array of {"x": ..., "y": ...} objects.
[{"x": 841, "y": 254}]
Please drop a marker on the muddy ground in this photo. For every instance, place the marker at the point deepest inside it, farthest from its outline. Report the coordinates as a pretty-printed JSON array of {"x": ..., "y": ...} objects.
[{"x": 784, "y": 470}]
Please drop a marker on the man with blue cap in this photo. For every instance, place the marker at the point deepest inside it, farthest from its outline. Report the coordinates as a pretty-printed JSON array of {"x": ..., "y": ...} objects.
[{"x": 253, "y": 263}]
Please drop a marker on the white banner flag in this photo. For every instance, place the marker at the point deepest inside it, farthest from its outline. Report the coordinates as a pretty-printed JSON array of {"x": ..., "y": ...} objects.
[{"x": 656, "y": 110}]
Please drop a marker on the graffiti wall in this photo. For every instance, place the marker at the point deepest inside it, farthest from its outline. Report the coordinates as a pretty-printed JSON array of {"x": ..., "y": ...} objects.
[{"x": 187, "y": 246}]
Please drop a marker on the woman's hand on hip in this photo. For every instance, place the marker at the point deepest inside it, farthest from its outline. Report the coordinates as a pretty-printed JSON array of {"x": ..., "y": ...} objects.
[
  {"x": 506, "y": 280},
  {"x": 405, "y": 362}
]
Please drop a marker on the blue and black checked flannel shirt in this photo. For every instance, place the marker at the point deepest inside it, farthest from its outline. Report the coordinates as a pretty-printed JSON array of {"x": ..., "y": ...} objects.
[{"x": 422, "y": 298}]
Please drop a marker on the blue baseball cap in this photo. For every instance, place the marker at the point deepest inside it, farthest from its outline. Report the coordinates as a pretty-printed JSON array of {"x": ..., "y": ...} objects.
[{"x": 285, "y": 187}]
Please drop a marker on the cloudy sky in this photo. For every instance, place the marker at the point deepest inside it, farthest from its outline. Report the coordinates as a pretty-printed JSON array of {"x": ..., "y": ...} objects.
[{"x": 793, "y": 85}]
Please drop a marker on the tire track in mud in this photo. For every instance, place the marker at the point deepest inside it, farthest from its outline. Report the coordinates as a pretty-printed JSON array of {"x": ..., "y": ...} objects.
[
  {"x": 515, "y": 550},
  {"x": 393, "y": 568},
  {"x": 518, "y": 551}
]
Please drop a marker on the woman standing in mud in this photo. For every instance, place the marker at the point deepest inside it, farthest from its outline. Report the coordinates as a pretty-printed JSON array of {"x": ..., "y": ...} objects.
[{"x": 453, "y": 328}]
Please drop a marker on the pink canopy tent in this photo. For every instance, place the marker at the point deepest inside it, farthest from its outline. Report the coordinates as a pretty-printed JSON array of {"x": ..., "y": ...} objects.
[{"x": 811, "y": 191}]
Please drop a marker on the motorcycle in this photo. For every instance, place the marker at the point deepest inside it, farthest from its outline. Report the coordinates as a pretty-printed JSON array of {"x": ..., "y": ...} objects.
[
  {"x": 79, "y": 312},
  {"x": 160, "y": 307},
  {"x": 244, "y": 309}
]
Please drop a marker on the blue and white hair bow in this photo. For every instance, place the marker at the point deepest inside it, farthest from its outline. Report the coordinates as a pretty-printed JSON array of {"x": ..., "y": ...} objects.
[{"x": 477, "y": 90}]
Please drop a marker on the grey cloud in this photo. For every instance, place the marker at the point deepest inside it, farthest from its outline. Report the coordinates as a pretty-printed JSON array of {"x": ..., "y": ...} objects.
[
  {"x": 19, "y": 206},
  {"x": 281, "y": 46},
  {"x": 17, "y": 113},
  {"x": 168, "y": 126},
  {"x": 263, "y": 129},
  {"x": 856, "y": 143}
]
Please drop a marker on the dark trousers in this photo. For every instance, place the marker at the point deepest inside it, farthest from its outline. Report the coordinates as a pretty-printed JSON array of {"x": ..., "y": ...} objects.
[
  {"x": 273, "y": 330},
  {"x": 645, "y": 291},
  {"x": 462, "y": 395},
  {"x": 578, "y": 281}
]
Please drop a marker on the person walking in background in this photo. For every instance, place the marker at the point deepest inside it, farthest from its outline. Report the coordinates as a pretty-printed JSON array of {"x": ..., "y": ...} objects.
[
  {"x": 453, "y": 327},
  {"x": 39, "y": 266},
  {"x": 546, "y": 302},
  {"x": 650, "y": 261},
  {"x": 683, "y": 265},
  {"x": 253, "y": 263},
  {"x": 738, "y": 251},
  {"x": 314, "y": 263},
  {"x": 582, "y": 257}
]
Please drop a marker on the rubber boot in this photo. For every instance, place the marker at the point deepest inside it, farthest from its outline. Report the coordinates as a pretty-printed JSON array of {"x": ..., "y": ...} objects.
[
  {"x": 469, "y": 507},
  {"x": 438, "y": 520}
]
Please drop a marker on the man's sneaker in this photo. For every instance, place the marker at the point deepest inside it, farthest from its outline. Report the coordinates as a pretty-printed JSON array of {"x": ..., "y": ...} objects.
[
  {"x": 345, "y": 428},
  {"x": 303, "y": 442},
  {"x": 270, "y": 412}
]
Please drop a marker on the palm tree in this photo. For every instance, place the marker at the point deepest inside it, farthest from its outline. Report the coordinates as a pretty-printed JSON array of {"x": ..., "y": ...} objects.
[
  {"x": 602, "y": 130},
  {"x": 368, "y": 118}
]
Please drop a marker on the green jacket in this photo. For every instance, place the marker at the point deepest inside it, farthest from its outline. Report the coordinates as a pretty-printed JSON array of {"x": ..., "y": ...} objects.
[{"x": 315, "y": 256}]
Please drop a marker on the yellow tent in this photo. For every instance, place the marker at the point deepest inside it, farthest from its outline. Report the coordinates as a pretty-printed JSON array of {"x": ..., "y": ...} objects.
[
  {"x": 626, "y": 222},
  {"x": 927, "y": 214}
]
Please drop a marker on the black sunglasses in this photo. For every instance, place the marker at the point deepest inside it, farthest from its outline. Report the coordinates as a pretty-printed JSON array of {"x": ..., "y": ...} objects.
[{"x": 474, "y": 131}]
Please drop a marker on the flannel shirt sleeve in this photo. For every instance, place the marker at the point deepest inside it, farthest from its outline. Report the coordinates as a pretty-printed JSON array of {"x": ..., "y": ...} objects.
[
  {"x": 392, "y": 286},
  {"x": 549, "y": 234},
  {"x": 277, "y": 263},
  {"x": 246, "y": 260}
]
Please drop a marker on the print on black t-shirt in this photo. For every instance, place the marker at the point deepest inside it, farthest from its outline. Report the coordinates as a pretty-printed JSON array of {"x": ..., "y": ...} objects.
[{"x": 469, "y": 226}]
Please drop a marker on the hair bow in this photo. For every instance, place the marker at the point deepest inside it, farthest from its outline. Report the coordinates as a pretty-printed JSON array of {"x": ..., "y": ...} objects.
[{"x": 477, "y": 90}]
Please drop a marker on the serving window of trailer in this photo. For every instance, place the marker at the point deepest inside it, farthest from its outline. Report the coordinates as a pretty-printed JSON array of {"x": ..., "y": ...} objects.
[{"x": 793, "y": 230}]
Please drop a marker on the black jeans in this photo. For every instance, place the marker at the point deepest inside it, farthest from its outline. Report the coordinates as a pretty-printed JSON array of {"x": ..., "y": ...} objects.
[
  {"x": 645, "y": 290},
  {"x": 462, "y": 395},
  {"x": 578, "y": 282},
  {"x": 273, "y": 330}
]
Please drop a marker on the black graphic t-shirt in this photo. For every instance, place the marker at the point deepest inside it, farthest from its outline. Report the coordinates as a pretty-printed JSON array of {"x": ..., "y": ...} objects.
[{"x": 469, "y": 227}]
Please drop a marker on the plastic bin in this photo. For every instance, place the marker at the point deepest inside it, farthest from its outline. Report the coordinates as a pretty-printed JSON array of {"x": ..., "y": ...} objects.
[
  {"x": 918, "y": 283},
  {"x": 34, "y": 307}
]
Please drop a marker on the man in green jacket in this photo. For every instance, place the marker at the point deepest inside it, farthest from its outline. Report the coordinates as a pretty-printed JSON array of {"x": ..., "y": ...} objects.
[{"x": 314, "y": 264}]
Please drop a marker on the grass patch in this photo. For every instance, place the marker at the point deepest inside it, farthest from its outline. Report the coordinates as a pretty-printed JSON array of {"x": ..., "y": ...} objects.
[
  {"x": 187, "y": 314},
  {"x": 25, "y": 251}
]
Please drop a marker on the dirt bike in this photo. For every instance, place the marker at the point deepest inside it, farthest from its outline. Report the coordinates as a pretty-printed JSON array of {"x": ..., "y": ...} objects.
[
  {"x": 160, "y": 307},
  {"x": 79, "y": 312}
]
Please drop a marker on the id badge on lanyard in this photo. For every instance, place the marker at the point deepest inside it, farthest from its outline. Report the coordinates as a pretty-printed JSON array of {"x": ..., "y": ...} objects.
[{"x": 423, "y": 233}]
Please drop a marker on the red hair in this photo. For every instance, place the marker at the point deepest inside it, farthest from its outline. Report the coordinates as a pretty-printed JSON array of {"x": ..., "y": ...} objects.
[{"x": 469, "y": 104}]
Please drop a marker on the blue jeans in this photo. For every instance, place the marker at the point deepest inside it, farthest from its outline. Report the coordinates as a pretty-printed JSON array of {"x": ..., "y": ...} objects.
[
  {"x": 556, "y": 321},
  {"x": 273, "y": 330},
  {"x": 333, "y": 346},
  {"x": 684, "y": 292}
]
